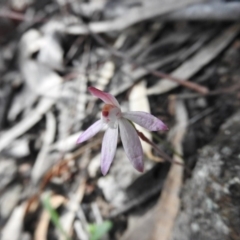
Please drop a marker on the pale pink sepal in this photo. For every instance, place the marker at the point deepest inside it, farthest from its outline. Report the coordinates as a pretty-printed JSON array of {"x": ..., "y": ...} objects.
[
  {"x": 131, "y": 144},
  {"x": 91, "y": 131},
  {"x": 105, "y": 97},
  {"x": 146, "y": 120},
  {"x": 109, "y": 146}
]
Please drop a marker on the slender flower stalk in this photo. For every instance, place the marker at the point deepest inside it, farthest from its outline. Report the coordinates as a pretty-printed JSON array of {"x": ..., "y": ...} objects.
[{"x": 115, "y": 119}]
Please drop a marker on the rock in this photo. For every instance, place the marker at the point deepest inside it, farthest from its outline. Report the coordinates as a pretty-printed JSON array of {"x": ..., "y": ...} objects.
[{"x": 211, "y": 198}]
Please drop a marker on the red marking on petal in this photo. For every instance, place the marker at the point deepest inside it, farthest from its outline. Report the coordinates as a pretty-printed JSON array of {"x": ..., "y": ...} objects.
[
  {"x": 105, "y": 113},
  {"x": 106, "y": 109}
]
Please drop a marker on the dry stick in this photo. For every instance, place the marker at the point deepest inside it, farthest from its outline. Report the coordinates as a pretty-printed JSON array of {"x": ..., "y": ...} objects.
[
  {"x": 193, "y": 86},
  {"x": 66, "y": 160},
  {"x": 20, "y": 17},
  {"x": 162, "y": 153},
  {"x": 211, "y": 11},
  {"x": 232, "y": 89},
  {"x": 56, "y": 168},
  {"x": 169, "y": 202},
  {"x": 147, "y": 10}
]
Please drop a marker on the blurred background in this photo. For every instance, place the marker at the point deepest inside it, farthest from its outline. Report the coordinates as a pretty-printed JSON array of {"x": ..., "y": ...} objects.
[{"x": 178, "y": 60}]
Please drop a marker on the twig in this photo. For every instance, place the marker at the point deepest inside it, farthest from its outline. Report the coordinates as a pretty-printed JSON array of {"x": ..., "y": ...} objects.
[
  {"x": 40, "y": 166},
  {"x": 14, "y": 226},
  {"x": 21, "y": 17},
  {"x": 190, "y": 67},
  {"x": 26, "y": 123},
  {"x": 162, "y": 153},
  {"x": 147, "y": 10},
  {"x": 41, "y": 229},
  {"x": 56, "y": 169},
  {"x": 169, "y": 202},
  {"x": 201, "y": 115},
  {"x": 215, "y": 11},
  {"x": 193, "y": 86},
  {"x": 59, "y": 168},
  {"x": 68, "y": 217},
  {"x": 229, "y": 90},
  {"x": 185, "y": 83}
]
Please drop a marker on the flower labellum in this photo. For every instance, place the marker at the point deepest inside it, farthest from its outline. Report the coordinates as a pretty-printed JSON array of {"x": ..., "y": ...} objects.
[{"x": 115, "y": 118}]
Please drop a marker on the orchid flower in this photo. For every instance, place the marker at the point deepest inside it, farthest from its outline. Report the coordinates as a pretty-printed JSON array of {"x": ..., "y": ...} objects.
[{"x": 115, "y": 118}]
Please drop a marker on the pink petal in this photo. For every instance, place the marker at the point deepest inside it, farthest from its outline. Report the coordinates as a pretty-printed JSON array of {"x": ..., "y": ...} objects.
[
  {"x": 131, "y": 144},
  {"x": 106, "y": 97},
  {"x": 91, "y": 131},
  {"x": 146, "y": 120},
  {"x": 109, "y": 146}
]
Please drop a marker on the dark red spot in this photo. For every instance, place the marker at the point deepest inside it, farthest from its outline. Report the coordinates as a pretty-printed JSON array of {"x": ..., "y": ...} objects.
[
  {"x": 106, "y": 109},
  {"x": 105, "y": 113}
]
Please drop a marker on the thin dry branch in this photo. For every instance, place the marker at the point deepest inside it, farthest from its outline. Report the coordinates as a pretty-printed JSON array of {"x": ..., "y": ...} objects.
[
  {"x": 67, "y": 218},
  {"x": 26, "y": 123},
  {"x": 174, "y": 79},
  {"x": 198, "y": 61},
  {"x": 60, "y": 168},
  {"x": 148, "y": 9},
  {"x": 4, "y": 13},
  {"x": 13, "y": 228},
  {"x": 168, "y": 205},
  {"x": 40, "y": 166},
  {"x": 217, "y": 11},
  {"x": 44, "y": 220}
]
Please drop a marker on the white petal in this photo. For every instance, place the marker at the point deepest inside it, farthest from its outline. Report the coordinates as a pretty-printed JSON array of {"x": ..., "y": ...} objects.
[
  {"x": 109, "y": 146},
  {"x": 91, "y": 131},
  {"x": 146, "y": 120},
  {"x": 131, "y": 144}
]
